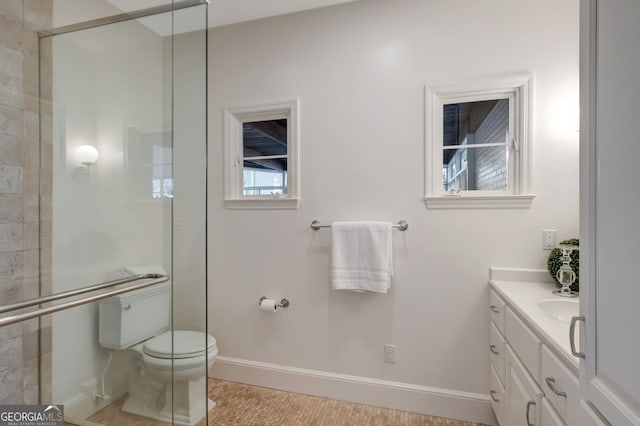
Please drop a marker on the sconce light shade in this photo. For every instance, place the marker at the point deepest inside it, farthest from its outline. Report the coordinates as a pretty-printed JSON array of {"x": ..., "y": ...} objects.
[{"x": 87, "y": 154}]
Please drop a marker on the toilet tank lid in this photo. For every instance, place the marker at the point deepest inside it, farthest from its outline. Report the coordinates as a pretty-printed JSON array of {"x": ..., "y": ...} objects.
[
  {"x": 145, "y": 269},
  {"x": 186, "y": 344},
  {"x": 135, "y": 295}
]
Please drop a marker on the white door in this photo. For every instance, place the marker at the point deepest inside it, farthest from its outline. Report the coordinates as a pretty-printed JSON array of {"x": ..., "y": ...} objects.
[{"x": 610, "y": 207}]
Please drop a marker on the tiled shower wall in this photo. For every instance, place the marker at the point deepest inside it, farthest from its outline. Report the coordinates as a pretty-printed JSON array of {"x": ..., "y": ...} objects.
[{"x": 20, "y": 182}]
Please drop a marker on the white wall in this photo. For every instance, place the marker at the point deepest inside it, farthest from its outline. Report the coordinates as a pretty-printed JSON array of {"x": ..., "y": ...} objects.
[{"x": 359, "y": 70}]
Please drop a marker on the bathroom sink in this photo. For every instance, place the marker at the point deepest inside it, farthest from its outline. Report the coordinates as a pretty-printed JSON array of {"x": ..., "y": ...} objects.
[{"x": 560, "y": 309}]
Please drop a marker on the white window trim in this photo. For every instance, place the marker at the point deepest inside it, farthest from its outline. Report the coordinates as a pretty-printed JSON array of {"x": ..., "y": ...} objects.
[
  {"x": 519, "y": 194},
  {"x": 233, "y": 119}
]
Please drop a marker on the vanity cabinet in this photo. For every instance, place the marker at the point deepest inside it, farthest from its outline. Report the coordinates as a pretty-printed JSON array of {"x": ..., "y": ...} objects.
[
  {"x": 497, "y": 354},
  {"x": 529, "y": 383},
  {"x": 609, "y": 206}
]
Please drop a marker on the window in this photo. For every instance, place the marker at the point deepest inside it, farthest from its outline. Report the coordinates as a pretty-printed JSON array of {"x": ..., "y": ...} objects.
[
  {"x": 264, "y": 150},
  {"x": 477, "y": 145},
  {"x": 261, "y": 159},
  {"x": 162, "y": 169},
  {"x": 149, "y": 159}
]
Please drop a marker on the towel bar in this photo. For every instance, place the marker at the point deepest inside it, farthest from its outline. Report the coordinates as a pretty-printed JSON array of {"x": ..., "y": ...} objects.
[
  {"x": 402, "y": 225},
  {"x": 154, "y": 279}
]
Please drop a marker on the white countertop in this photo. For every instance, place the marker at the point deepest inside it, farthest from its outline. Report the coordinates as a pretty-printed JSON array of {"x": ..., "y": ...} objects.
[{"x": 522, "y": 292}]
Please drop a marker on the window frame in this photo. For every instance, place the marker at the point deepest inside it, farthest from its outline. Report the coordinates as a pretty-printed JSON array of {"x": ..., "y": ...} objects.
[
  {"x": 518, "y": 194},
  {"x": 233, "y": 165}
]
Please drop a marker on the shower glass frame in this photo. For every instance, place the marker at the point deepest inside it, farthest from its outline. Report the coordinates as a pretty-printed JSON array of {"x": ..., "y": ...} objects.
[{"x": 94, "y": 200}]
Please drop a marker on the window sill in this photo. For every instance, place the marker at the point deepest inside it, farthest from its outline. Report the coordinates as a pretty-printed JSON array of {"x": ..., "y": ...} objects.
[
  {"x": 479, "y": 201},
  {"x": 255, "y": 203}
]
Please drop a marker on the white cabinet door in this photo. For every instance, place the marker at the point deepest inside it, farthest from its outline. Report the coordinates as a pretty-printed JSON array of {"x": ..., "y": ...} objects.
[
  {"x": 549, "y": 416},
  {"x": 588, "y": 417},
  {"x": 610, "y": 207},
  {"x": 522, "y": 406}
]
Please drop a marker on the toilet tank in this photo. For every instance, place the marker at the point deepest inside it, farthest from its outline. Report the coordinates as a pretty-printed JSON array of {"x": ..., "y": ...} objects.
[{"x": 130, "y": 318}]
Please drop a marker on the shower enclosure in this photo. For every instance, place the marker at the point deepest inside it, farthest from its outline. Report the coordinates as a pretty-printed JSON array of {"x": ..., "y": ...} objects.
[{"x": 122, "y": 196}]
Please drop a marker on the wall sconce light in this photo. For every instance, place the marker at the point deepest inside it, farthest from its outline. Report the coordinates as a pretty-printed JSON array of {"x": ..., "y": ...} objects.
[{"x": 87, "y": 154}]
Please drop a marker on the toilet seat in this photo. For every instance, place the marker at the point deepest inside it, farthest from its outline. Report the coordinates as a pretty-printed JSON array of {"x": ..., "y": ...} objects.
[{"x": 186, "y": 344}]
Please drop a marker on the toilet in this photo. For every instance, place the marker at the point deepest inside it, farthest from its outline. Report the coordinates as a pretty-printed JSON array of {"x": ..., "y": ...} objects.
[{"x": 138, "y": 322}]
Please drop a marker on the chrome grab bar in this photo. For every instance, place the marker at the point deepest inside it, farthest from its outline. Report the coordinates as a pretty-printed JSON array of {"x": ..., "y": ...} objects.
[
  {"x": 70, "y": 293},
  {"x": 154, "y": 279}
]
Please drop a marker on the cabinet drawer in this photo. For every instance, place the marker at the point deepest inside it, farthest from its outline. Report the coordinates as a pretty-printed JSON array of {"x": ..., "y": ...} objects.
[
  {"x": 524, "y": 342},
  {"x": 496, "y": 310},
  {"x": 497, "y": 394},
  {"x": 548, "y": 416},
  {"x": 496, "y": 350},
  {"x": 559, "y": 384}
]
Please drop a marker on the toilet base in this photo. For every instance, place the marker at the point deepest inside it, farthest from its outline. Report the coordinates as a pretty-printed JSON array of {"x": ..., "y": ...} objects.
[
  {"x": 151, "y": 397},
  {"x": 188, "y": 406},
  {"x": 133, "y": 406}
]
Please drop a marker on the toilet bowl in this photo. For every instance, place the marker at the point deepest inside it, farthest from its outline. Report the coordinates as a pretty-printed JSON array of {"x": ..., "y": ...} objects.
[
  {"x": 168, "y": 380},
  {"x": 160, "y": 369}
]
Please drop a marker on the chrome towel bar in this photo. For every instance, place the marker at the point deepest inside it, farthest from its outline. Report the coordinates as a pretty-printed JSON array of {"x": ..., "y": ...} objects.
[
  {"x": 154, "y": 279},
  {"x": 402, "y": 225}
]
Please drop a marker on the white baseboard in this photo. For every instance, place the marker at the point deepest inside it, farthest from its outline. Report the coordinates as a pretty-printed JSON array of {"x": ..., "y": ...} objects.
[
  {"x": 439, "y": 402},
  {"x": 79, "y": 406}
]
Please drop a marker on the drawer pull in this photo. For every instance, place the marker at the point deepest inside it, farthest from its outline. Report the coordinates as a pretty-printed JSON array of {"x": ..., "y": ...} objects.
[
  {"x": 572, "y": 336},
  {"x": 526, "y": 413},
  {"x": 551, "y": 382},
  {"x": 493, "y": 396},
  {"x": 493, "y": 350},
  {"x": 494, "y": 309}
]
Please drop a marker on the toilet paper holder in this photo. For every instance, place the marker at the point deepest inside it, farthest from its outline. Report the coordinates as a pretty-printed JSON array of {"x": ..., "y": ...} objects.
[{"x": 284, "y": 303}]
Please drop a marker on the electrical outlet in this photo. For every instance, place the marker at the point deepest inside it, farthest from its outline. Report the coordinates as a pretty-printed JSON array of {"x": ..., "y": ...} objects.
[
  {"x": 390, "y": 353},
  {"x": 548, "y": 239}
]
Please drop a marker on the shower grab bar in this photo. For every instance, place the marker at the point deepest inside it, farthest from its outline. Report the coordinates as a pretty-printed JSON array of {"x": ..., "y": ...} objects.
[
  {"x": 402, "y": 225},
  {"x": 71, "y": 293},
  {"x": 154, "y": 279}
]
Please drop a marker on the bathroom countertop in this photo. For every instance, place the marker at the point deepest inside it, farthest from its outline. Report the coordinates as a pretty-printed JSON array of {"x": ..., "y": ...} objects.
[{"x": 522, "y": 294}]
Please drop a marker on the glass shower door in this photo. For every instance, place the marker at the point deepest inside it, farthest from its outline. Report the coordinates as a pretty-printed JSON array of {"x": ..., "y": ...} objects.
[{"x": 123, "y": 194}]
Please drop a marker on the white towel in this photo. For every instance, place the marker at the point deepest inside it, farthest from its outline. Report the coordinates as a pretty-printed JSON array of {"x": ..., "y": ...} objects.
[{"x": 361, "y": 256}]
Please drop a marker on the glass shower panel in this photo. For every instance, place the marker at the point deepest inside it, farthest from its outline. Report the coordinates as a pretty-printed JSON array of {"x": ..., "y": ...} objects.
[
  {"x": 189, "y": 46},
  {"x": 123, "y": 192}
]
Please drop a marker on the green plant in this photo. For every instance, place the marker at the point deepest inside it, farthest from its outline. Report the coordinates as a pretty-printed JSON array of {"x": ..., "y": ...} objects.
[{"x": 554, "y": 262}]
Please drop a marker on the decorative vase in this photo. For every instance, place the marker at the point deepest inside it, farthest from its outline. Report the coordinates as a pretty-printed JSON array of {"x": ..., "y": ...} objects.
[{"x": 555, "y": 262}]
